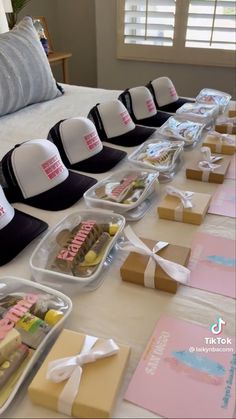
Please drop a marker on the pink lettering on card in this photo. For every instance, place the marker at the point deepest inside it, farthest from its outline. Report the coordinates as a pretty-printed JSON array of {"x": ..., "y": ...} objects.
[
  {"x": 53, "y": 167},
  {"x": 92, "y": 140},
  {"x": 125, "y": 117},
  {"x": 150, "y": 105}
]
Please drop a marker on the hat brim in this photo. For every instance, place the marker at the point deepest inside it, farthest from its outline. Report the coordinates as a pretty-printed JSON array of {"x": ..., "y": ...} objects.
[
  {"x": 101, "y": 162},
  {"x": 16, "y": 235},
  {"x": 132, "y": 138},
  {"x": 63, "y": 195},
  {"x": 154, "y": 121},
  {"x": 172, "y": 107}
]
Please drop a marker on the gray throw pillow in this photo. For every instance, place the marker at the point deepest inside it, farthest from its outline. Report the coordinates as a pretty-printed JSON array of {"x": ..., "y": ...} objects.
[{"x": 25, "y": 73}]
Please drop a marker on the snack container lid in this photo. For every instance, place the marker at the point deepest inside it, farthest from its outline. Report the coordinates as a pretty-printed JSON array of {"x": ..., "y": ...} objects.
[
  {"x": 41, "y": 261},
  {"x": 12, "y": 284},
  {"x": 198, "y": 112},
  {"x": 184, "y": 130},
  {"x": 212, "y": 97},
  {"x": 93, "y": 201},
  {"x": 169, "y": 150}
]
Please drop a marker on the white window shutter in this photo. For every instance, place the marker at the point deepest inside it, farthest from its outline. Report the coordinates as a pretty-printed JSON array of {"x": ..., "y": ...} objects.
[
  {"x": 211, "y": 24},
  {"x": 177, "y": 31},
  {"x": 149, "y": 22}
]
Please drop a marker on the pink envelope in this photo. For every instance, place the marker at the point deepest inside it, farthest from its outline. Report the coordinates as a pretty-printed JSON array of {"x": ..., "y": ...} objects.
[
  {"x": 223, "y": 201},
  {"x": 212, "y": 264},
  {"x": 175, "y": 380}
]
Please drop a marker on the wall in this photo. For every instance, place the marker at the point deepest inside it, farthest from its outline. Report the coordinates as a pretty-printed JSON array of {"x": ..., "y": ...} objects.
[
  {"x": 87, "y": 28},
  {"x": 72, "y": 28},
  {"x": 120, "y": 74}
]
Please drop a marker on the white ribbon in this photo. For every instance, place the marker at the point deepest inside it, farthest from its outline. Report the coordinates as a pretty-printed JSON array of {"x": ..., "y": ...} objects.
[
  {"x": 177, "y": 272},
  {"x": 230, "y": 122},
  {"x": 223, "y": 139},
  {"x": 207, "y": 166},
  {"x": 70, "y": 369},
  {"x": 185, "y": 198}
]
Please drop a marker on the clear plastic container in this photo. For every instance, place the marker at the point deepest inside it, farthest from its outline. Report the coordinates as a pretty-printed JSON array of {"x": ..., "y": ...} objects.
[
  {"x": 59, "y": 259},
  {"x": 161, "y": 155},
  {"x": 15, "y": 287},
  {"x": 184, "y": 130},
  {"x": 123, "y": 191},
  {"x": 198, "y": 112},
  {"x": 214, "y": 97}
]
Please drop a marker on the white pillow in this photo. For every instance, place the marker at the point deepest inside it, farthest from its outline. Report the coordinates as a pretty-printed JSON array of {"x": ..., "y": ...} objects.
[{"x": 25, "y": 73}]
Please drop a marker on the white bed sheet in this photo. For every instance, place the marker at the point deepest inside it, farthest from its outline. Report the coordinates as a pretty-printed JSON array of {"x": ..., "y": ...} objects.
[{"x": 123, "y": 311}]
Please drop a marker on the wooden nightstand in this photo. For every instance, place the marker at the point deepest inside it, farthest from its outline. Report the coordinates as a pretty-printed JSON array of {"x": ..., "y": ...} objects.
[{"x": 55, "y": 58}]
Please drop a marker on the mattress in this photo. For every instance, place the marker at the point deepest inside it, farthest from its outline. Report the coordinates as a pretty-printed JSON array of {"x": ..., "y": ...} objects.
[{"x": 123, "y": 311}]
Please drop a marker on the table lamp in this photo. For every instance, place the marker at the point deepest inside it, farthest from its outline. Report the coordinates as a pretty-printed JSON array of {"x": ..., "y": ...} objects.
[{"x": 3, "y": 20}]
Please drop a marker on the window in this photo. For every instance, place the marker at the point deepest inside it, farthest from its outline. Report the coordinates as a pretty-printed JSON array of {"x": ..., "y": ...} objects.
[{"x": 179, "y": 31}]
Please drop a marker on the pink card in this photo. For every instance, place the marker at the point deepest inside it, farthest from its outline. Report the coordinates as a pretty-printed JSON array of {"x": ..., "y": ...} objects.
[
  {"x": 212, "y": 264},
  {"x": 223, "y": 201},
  {"x": 176, "y": 376},
  {"x": 231, "y": 173}
]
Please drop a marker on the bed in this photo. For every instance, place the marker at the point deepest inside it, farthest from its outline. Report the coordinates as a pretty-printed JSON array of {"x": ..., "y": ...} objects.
[{"x": 123, "y": 311}]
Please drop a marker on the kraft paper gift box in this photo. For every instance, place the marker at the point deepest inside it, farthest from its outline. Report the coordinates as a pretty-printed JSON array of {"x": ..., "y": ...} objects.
[
  {"x": 135, "y": 265},
  {"x": 232, "y": 113},
  {"x": 226, "y": 125},
  {"x": 216, "y": 175},
  {"x": 219, "y": 143},
  {"x": 99, "y": 384},
  {"x": 171, "y": 208}
]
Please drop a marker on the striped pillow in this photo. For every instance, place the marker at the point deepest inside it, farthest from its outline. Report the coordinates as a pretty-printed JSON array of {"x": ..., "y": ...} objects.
[{"x": 25, "y": 73}]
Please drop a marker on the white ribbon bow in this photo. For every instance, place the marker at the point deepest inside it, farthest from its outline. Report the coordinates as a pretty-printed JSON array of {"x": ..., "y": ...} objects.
[
  {"x": 208, "y": 165},
  {"x": 70, "y": 369},
  {"x": 226, "y": 120},
  {"x": 177, "y": 272},
  {"x": 223, "y": 138},
  {"x": 184, "y": 196}
]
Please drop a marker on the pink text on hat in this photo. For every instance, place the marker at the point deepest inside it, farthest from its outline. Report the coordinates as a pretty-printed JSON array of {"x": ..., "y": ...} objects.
[
  {"x": 173, "y": 92},
  {"x": 150, "y": 105},
  {"x": 53, "y": 167},
  {"x": 92, "y": 140},
  {"x": 125, "y": 117},
  {"x": 2, "y": 211}
]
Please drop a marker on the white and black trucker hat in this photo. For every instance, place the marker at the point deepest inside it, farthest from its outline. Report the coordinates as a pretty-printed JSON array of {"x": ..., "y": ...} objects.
[
  {"x": 141, "y": 107},
  {"x": 115, "y": 125},
  {"x": 165, "y": 95},
  {"x": 81, "y": 148},
  {"x": 17, "y": 229},
  {"x": 33, "y": 173}
]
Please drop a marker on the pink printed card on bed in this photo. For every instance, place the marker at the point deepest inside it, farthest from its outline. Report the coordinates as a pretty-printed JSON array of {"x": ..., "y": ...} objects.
[
  {"x": 223, "y": 201},
  {"x": 176, "y": 379},
  {"x": 212, "y": 264}
]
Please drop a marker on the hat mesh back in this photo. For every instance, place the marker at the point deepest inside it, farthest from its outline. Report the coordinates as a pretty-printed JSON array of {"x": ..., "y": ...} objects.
[{"x": 96, "y": 119}]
